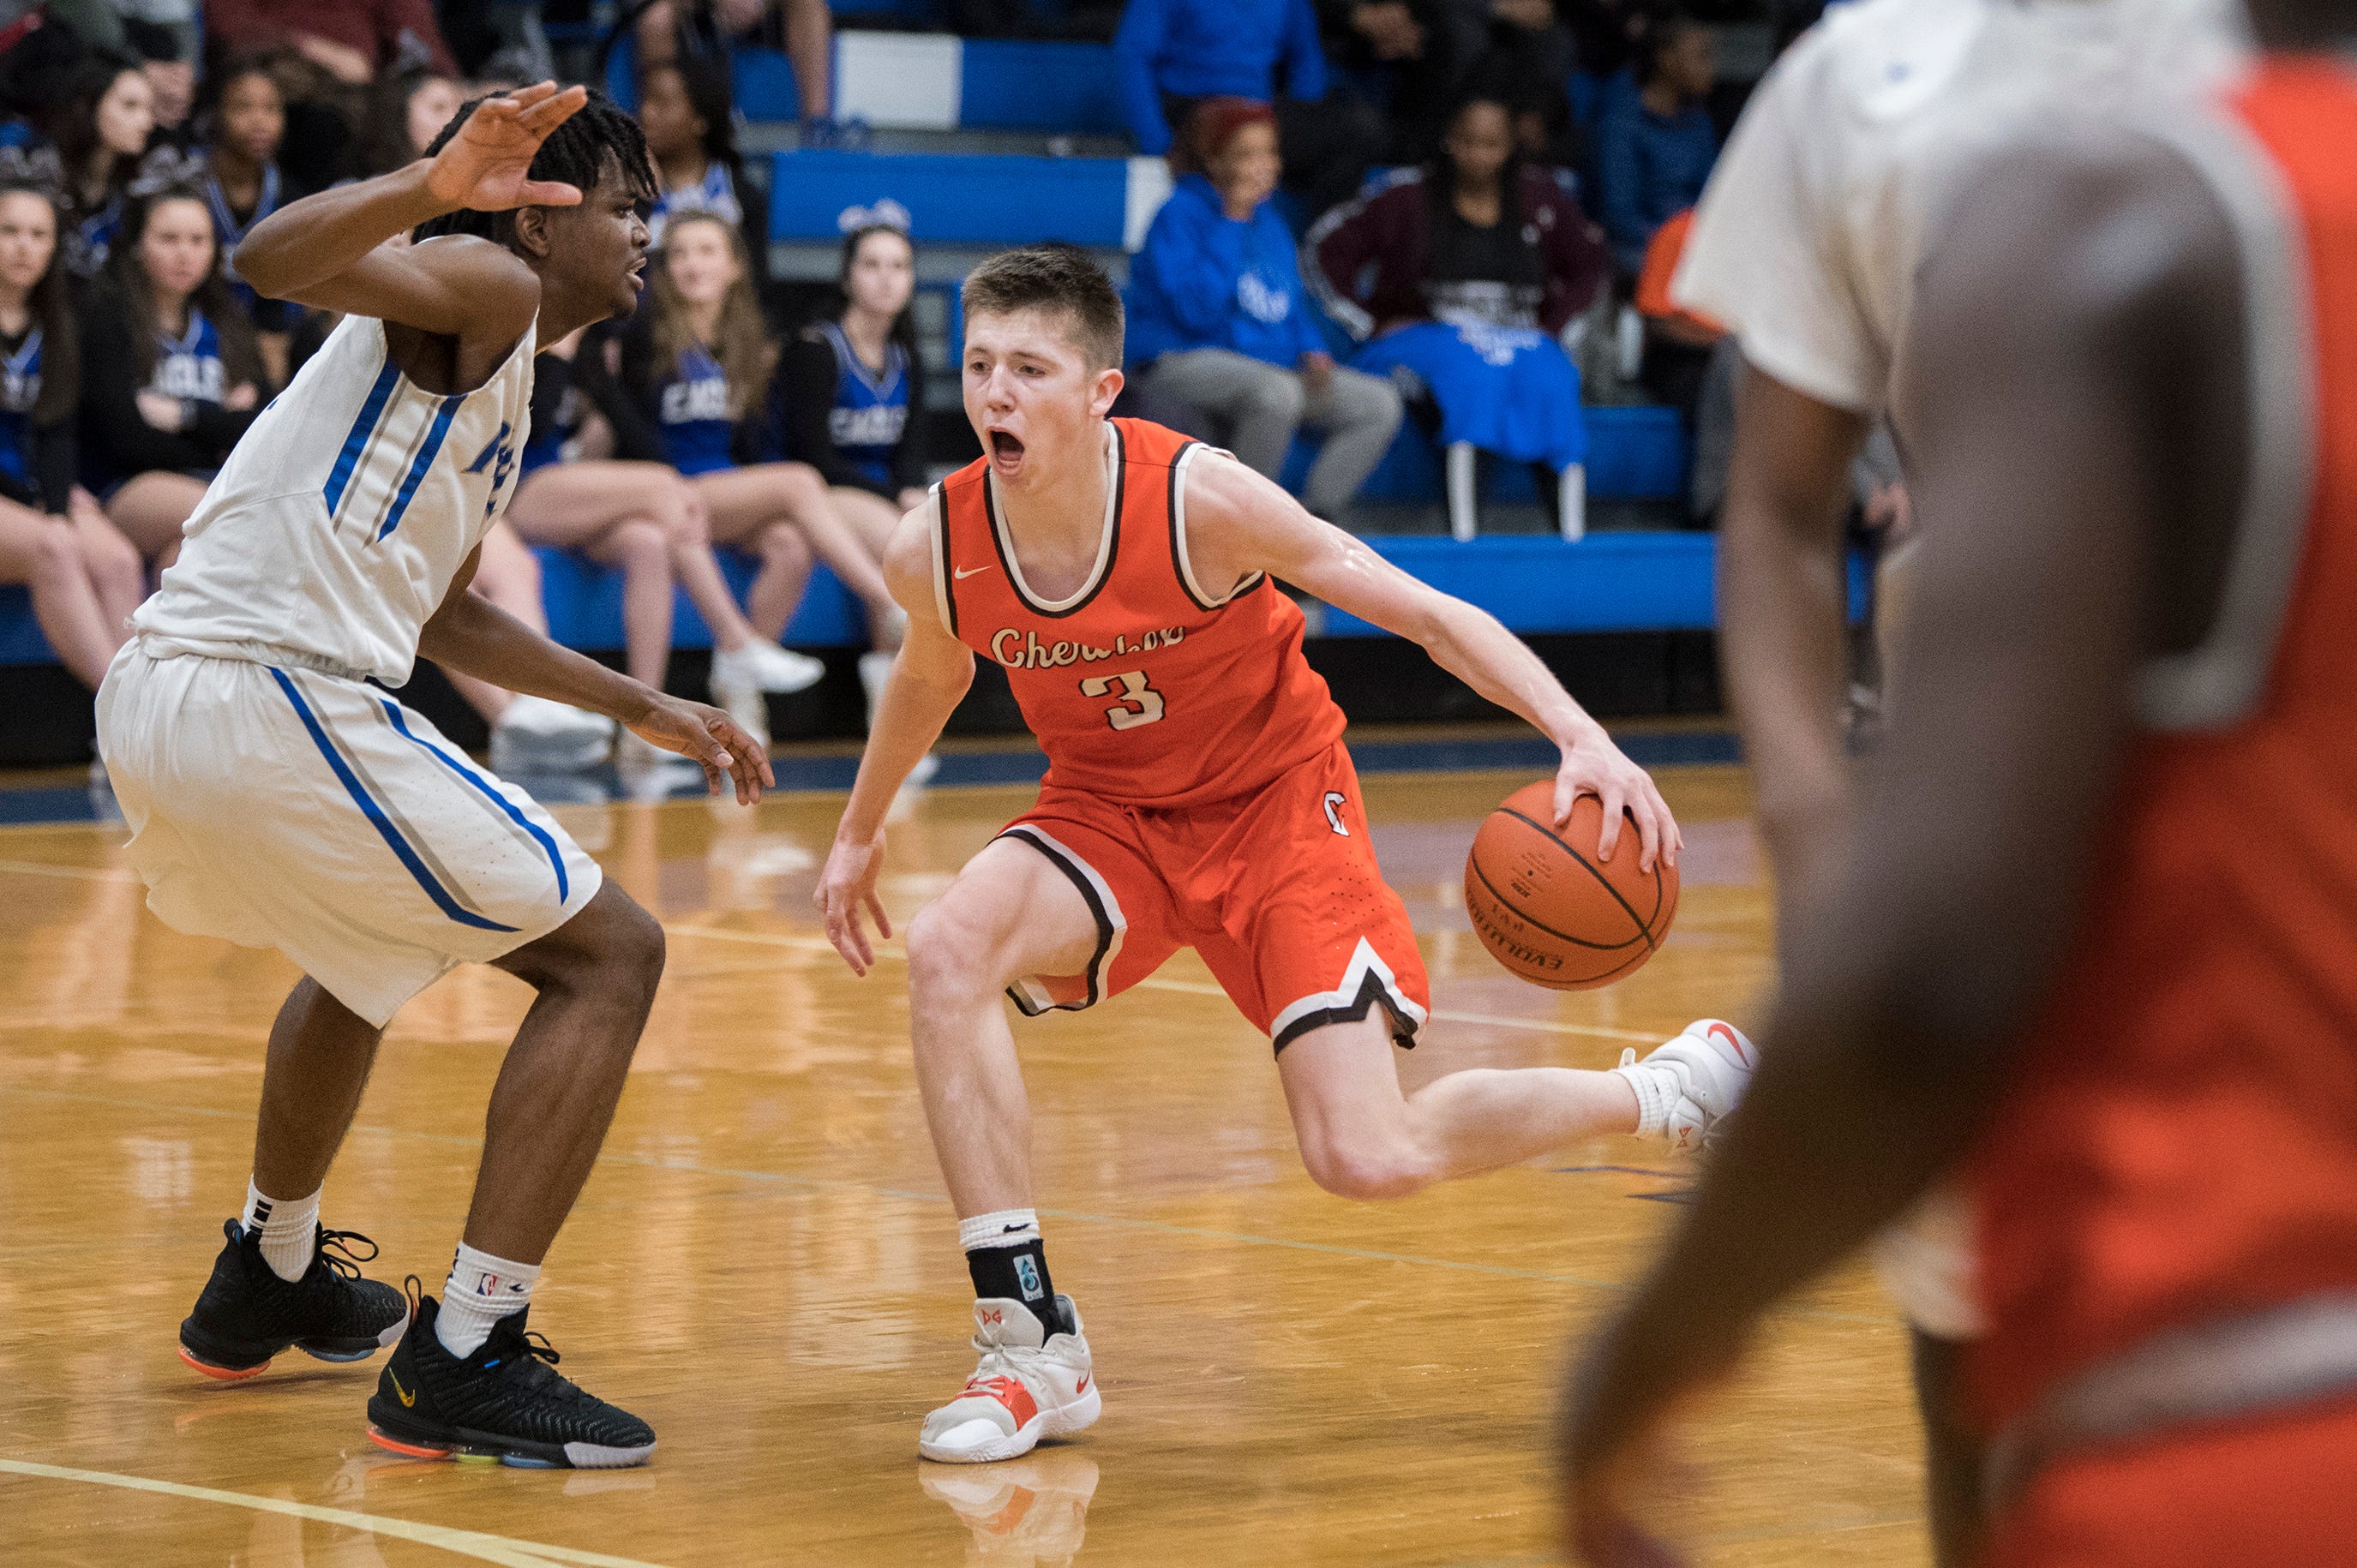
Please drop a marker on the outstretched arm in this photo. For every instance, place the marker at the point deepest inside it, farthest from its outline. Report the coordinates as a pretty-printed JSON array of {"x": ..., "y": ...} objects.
[
  {"x": 329, "y": 250},
  {"x": 930, "y": 677},
  {"x": 2069, "y": 418},
  {"x": 1239, "y": 523},
  {"x": 473, "y": 635}
]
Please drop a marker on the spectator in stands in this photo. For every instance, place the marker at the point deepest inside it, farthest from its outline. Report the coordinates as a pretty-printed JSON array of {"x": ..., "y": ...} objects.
[
  {"x": 691, "y": 131},
  {"x": 668, "y": 29},
  {"x": 407, "y": 112},
  {"x": 647, "y": 520},
  {"x": 351, "y": 40},
  {"x": 100, "y": 127},
  {"x": 1171, "y": 55},
  {"x": 244, "y": 120},
  {"x": 85, "y": 578},
  {"x": 691, "y": 363},
  {"x": 848, "y": 399},
  {"x": 1219, "y": 318},
  {"x": 1412, "y": 51},
  {"x": 1654, "y": 147},
  {"x": 171, "y": 376},
  {"x": 1465, "y": 275}
]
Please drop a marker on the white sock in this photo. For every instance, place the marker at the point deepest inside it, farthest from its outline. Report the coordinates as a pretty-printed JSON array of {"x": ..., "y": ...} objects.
[
  {"x": 1657, "y": 1094},
  {"x": 287, "y": 1225},
  {"x": 480, "y": 1291},
  {"x": 1007, "y": 1228}
]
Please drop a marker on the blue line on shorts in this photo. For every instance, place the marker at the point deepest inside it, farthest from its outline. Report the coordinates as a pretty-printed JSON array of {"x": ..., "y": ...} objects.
[
  {"x": 375, "y": 814},
  {"x": 393, "y": 712}
]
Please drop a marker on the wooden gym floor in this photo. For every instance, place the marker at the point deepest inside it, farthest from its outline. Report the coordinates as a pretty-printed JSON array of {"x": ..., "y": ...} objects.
[{"x": 764, "y": 1265}]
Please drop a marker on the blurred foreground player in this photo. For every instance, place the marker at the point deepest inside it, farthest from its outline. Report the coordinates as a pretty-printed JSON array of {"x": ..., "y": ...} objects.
[
  {"x": 1198, "y": 795},
  {"x": 2099, "y": 941},
  {"x": 1807, "y": 242},
  {"x": 277, "y": 798}
]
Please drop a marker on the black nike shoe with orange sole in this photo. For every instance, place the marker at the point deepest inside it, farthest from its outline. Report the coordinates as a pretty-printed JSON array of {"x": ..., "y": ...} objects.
[
  {"x": 248, "y": 1315},
  {"x": 506, "y": 1401}
]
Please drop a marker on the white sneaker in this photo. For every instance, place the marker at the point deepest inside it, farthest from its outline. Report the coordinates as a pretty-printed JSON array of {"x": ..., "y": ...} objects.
[
  {"x": 535, "y": 735},
  {"x": 1021, "y": 1391},
  {"x": 763, "y": 666},
  {"x": 1686, "y": 1087}
]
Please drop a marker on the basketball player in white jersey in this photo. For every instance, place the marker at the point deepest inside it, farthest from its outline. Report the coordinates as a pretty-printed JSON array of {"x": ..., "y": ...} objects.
[
  {"x": 1806, "y": 244},
  {"x": 278, "y": 799}
]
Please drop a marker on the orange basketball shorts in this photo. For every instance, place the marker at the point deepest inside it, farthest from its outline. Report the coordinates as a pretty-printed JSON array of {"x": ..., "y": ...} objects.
[
  {"x": 2270, "y": 1489},
  {"x": 1277, "y": 890}
]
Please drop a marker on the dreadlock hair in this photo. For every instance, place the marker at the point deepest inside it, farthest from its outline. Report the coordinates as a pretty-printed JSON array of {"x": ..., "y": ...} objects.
[
  {"x": 126, "y": 290},
  {"x": 576, "y": 153},
  {"x": 53, "y": 312}
]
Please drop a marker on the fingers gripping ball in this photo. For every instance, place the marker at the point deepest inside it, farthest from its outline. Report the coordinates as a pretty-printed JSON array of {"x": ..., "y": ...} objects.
[{"x": 1549, "y": 910}]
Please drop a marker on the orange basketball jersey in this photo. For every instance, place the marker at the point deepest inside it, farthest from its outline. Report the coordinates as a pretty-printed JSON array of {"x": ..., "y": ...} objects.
[
  {"x": 2179, "y": 1142},
  {"x": 1141, "y": 688}
]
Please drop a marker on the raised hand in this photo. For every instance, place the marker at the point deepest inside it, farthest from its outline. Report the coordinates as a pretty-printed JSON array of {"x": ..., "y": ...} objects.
[
  {"x": 1594, "y": 765},
  {"x": 487, "y": 164},
  {"x": 710, "y": 738}
]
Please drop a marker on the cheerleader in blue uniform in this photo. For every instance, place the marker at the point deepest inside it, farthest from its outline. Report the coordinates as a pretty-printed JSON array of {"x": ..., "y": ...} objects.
[
  {"x": 171, "y": 374},
  {"x": 100, "y": 127},
  {"x": 693, "y": 360},
  {"x": 849, "y": 397},
  {"x": 85, "y": 578}
]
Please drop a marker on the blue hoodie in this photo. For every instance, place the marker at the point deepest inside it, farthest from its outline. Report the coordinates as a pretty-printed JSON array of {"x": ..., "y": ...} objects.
[
  {"x": 1205, "y": 281},
  {"x": 1213, "y": 48}
]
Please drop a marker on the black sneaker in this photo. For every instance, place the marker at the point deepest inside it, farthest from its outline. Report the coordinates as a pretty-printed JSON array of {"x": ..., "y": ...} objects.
[
  {"x": 506, "y": 1401},
  {"x": 247, "y": 1314}
]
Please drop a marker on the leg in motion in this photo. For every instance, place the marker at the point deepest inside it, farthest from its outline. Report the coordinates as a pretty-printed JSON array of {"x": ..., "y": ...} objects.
[
  {"x": 1011, "y": 914},
  {"x": 281, "y": 1279},
  {"x": 465, "y": 1378}
]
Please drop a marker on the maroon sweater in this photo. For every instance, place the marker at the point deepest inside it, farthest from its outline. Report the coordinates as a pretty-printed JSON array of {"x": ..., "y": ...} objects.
[{"x": 1367, "y": 259}]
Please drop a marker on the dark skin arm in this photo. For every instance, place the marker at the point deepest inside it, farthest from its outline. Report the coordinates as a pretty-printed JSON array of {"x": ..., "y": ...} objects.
[
  {"x": 2074, "y": 386},
  {"x": 469, "y": 633},
  {"x": 1783, "y": 616}
]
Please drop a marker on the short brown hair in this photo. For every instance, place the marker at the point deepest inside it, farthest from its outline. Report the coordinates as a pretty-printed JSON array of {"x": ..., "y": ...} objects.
[{"x": 1054, "y": 278}]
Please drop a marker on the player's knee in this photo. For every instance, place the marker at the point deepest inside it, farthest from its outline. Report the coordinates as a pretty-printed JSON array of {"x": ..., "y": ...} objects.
[
  {"x": 633, "y": 952},
  {"x": 947, "y": 955},
  {"x": 1366, "y": 1169}
]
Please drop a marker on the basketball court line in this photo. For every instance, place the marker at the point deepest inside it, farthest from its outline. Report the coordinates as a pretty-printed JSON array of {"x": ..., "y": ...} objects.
[
  {"x": 472, "y": 1543},
  {"x": 824, "y": 1184}
]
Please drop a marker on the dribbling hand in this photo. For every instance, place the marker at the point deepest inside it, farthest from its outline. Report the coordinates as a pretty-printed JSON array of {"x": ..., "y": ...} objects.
[
  {"x": 710, "y": 739},
  {"x": 1594, "y": 765},
  {"x": 487, "y": 164},
  {"x": 847, "y": 886}
]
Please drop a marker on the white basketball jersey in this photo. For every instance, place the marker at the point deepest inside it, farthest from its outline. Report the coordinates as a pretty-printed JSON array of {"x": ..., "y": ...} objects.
[
  {"x": 338, "y": 523},
  {"x": 1808, "y": 236}
]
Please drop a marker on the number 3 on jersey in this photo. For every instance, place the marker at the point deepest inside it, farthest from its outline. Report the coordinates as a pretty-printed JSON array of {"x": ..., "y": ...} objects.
[{"x": 1139, "y": 703}]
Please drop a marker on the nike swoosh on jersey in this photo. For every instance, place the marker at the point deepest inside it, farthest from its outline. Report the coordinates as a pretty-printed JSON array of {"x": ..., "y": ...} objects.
[{"x": 962, "y": 573}]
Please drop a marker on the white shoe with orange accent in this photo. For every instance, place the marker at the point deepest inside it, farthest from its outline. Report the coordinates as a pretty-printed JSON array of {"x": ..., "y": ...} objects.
[
  {"x": 1687, "y": 1085},
  {"x": 1022, "y": 1389}
]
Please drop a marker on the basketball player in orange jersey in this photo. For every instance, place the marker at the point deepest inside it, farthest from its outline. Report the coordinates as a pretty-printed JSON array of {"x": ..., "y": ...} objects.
[
  {"x": 2098, "y": 945},
  {"x": 1197, "y": 794}
]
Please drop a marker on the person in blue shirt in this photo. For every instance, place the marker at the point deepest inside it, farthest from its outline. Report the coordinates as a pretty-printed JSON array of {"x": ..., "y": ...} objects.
[
  {"x": 1173, "y": 55},
  {"x": 246, "y": 120},
  {"x": 1655, "y": 145},
  {"x": 85, "y": 578},
  {"x": 1219, "y": 318},
  {"x": 171, "y": 373}
]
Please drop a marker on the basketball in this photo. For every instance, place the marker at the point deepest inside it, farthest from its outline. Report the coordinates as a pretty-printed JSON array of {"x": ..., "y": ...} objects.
[{"x": 1550, "y": 911}]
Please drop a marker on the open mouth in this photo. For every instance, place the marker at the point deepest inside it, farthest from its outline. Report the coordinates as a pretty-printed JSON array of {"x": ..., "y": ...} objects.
[{"x": 1006, "y": 447}]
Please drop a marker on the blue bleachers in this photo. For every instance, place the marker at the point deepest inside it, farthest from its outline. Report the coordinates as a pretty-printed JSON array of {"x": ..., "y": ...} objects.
[{"x": 955, "y": 197}]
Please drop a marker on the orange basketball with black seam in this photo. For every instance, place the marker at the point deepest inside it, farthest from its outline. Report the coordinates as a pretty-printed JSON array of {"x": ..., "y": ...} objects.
[{"x": 1549, "y": 909}]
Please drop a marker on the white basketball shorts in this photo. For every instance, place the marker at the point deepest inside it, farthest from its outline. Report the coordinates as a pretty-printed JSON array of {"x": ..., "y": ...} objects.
[{"x": 282, "y": 807}]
